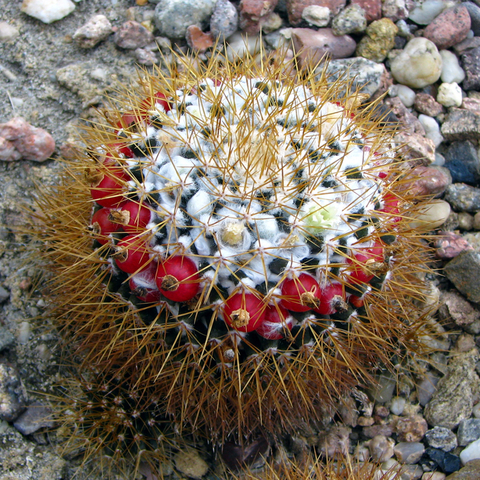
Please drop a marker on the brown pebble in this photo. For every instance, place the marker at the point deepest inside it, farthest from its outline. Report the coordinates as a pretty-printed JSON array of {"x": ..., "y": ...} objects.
[
  {"x": 426, "y": 104},
  {"x": 132, "y": 35},
  {"x": 254, "y": 13},
  {"x": 449, "y": 28},
  {"x": 411, "y": 429},
  {"x": 198, "y": 40},
  {"x": 295, "y": 8}
]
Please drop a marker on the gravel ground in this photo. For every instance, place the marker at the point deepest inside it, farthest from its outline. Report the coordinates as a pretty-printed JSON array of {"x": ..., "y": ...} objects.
[{"x": 53, "y": 84}]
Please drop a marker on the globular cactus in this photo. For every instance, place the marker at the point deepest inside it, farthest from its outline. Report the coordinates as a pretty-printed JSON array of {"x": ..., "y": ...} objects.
[{"x": 234, "y": 244}]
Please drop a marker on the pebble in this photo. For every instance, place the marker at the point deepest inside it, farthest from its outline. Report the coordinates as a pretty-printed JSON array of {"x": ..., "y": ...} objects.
[
  {"x": 312, "y": 45},
  {"x": 449, "y": 95},
  {"x": 471, "y": 104},
  {"x": 224, "y": 20},
  {"x": 132, "y": 35},
  {"x": 255, "y": 13},
  {"x": 395, "y": 9},
  {"x": 238, "y": 46},
  {"x": 11, "y": 393},
  {"x": 145, "y": 56},
  {"x": 442, "y": 438},
  {"x": 428, "y": 181},
  {"x": 397, "y": 406},
  {"x": 408, "y": 122},
  {"x": 351, "y": 19},
  {"x": 471, "y": 452},
  {"x": 190, "y": 463},
  {"x": 463, "y": 162},
  {"x": 47, "y": 11},
  {"x": 432, "y": 129},
  {"x": 4, "y": 294},
  {"x": 449, "y": 28},
  {"x": 372, "y": 8},
  {"x": 173, "y": 17},
  {"x": 19, "y": 139},
  {"x": 433, "y": 476},
  {"x": 468, "y": 431},
  {"x": 404, "y": 93},
  {"x": 8, "y": 32},
  {"x": 378, "y": 41},
  {"x": 426, "y": 104},
  {"x": 97, "y": 28},
  {"x": 416, "y": 149},
  {"x": 381, "y": 448},
  {"x": 35, "y": 417},
  {"x": 463, "y": 198},
  {"x": 6, "y": 338},
  {"x": 462, "y": 271},
  {"x": 198, "y": 40},
  {"x": 418, "y": 65},
  {"x": 334, "y": 442},
  {"x": 424, "y": 13},
  {"x": 295, "y": 8},
  {"x": 365, "y": 76},
  {"x": 476, "y": 221},
  {"x": 411, "y": 428},
  {"x": 449, "y": 245},
  {"x": 461, "y": 124},
  {"x": 446, "y": 461},
  {"x": 451, "y": 69},
  {"x": 471, "y": 65},
  {"x": 317, "y": 15},
  {"x": 409, "y": 452},
  {"x": 471, "y": 471},
  {"x": 474, "y": 12}
]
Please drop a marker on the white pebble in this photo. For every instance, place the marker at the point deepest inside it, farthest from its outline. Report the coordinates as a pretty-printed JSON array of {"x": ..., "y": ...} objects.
[
  {"x": 398, "y": 405},
  {"x": 48, "y": 11},
  {"x": 450, "y": 95},
  {"x": 432, "y": 129},
  {"x": 316, "y": 15},
  {"x": 24, "y": 332},
  {"x": 476, "y": 410},
  {"x": 451, "y": 69},
  {"x": 404, "y": 93},
  {"x": 431, "y": 216},
  {"x": 427, "y": 11},
  {"x": 239, "y": 45},
  {"x": 471, "y": 452}
]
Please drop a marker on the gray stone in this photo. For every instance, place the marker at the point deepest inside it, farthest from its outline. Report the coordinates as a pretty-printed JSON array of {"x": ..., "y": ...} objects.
[
  {"x": 409, "y": 452},
  {"x": 94, "y": 31},
  {"x": 471, "y": 65},
  {"x": 224, "y": 21},
  {"x": 462, "y": 161},
  {"x": 426, "y": 388},
  {"x": 463, "y": 272},
  {"x": 442, "y": 438},
  {"x": 461, "y": 125},
  {"x": 4, "y": 294},
  {"x": 11, "y": 393},
  {"x": 35, "y": 417},
  {"x": 453, "y": 400},
  {"x": 6, "y": 339},
  {"x": 190, "y": 463},
  {"x": 463, "y": 198},
  {"x": 173, "y": 17},
  {"x": 364, "y": 74},
  {"x": 350, "y": 20},
  {"x": 468, "y": 431},
  {"x": 474, "y": 12}
]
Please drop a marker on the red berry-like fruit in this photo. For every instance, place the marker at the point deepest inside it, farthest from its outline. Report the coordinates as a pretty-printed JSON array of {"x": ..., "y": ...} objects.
[
  {"x": 391, "y": 205},
  {"x": 143, "y": 284},
  {"x": 102, "y": 227},
  {"x": 108, "y": 186},
  {"x": 275, "y": 323},
  {"x": 158, "y": 98},
  {"x": 365, "y": 260},
  {"x": 132, "y": 216},
  {"x": 300, "y": 294},
  {"x": 244, "y": 312},
  {"x": 132, "y": 254},
  {"x": 178, "y": 279},
  {"x": 332, "y": 299}
]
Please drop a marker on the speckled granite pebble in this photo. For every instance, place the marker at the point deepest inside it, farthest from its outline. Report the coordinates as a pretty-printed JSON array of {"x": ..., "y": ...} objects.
[
  {"x": 442, "y": 438},
  {"x": 461, "y": 124},
  {"x": 224, "y": 20},
  {"x": 94, "y": 31}
]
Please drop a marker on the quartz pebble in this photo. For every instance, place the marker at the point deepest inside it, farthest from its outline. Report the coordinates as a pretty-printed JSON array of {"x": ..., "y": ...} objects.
[
  {"x": 397, "y": 405},
  {"x": 425, "y": 12},
  {"x": 404, "y": 93},
  {"x": 351, "y": 19},
  {"x": 432, "y": 129},
  {"x": 418, "y": 65},
  {"x": 173, "y": 17},
  {"x": 471, "y": 452},
  {"x": 409, "y": 452},
  {"x": 19, "y": 139},
  {"x": 94, "y": 31},
  {"x": 449, "y": 245},
  {"x": 317, "y": 15},
  {"x": 224, "y": 20},
  {"x": 48, "y": 11},
  {"x": 451, "y": 69},
  {"x": 449, "y": 95},
  {"x": 442, "y": 438},
  {"x": 449, "y": 28}
]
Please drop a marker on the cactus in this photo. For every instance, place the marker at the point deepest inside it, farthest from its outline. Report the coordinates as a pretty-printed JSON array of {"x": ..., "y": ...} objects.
[{"x": 231, "y": 251}]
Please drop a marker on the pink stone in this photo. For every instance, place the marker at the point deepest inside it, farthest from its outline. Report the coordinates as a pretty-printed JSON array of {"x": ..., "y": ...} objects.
[
  {"x": 426, "y": 104},
  {"x": 427, "y": 181},
  {"x": 132, "y": 35},
  {"x": 449, "y": 245},
  {"x": 471, "y": 104},
  {"x": 449, "y": 28},
  {"x": 19, "y": 139},
  {"x": 313, "y": 45},
  {"x": 197, "y": 40},
  {"x": 373, "y": 9},
  {"x": 408, "y": 121},
  {"x": 254, "y": 13},
  {"x": 295, "y": 8}
]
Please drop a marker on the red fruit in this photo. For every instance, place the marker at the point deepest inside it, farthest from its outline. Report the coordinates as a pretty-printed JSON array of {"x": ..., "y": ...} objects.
[
  {"x": 132, "y": 254},
  {"x": 276, "y": 320},
  {"x": 356, "y": 302},
  {"x": 178, "y": 279},
  {"x": 122, "y": 148},
  {"x": 300, "y": 294},
  {"x": 143, "y": 284},
  {"x": 332, "y": 299},
  {"x": 132, "y": 216},
  {"x": 158, "y": 98},
  {"x": 108, "y": 185},
  {"x": 244, "y": 312},
  {"x": 102, "y": 226},
  {"x": 391, "y": 206},
  {"x": 365, "y": 260}
]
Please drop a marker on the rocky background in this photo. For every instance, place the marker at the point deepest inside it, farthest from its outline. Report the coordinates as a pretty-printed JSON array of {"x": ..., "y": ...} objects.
[{"x": 61, "y": 59}]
